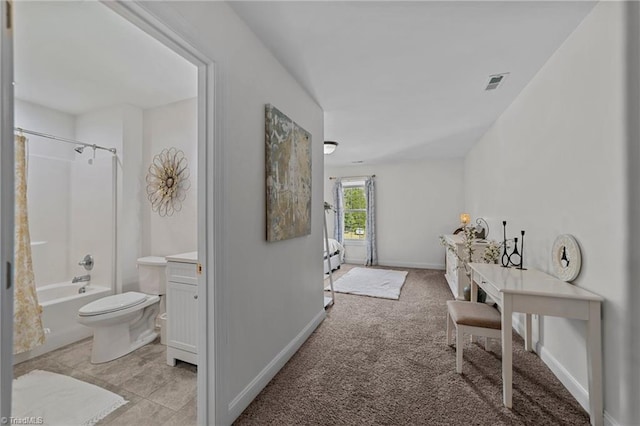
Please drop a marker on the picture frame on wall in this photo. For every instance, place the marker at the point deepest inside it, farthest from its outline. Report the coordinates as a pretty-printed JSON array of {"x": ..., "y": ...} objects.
[{"x": 288, "y": 177}]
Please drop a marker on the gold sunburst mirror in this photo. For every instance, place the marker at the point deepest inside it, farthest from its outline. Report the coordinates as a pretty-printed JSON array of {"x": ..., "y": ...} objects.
[{"x": 168, "y": 181}]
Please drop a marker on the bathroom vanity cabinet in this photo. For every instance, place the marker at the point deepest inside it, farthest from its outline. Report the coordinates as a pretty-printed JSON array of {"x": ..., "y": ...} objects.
[{"x": 182, "y": 308}]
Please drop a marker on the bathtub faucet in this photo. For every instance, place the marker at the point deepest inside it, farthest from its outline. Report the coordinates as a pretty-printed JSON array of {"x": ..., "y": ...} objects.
[
  {"x": 83, "y": 279},
  {"x": 86, "y": 279}
]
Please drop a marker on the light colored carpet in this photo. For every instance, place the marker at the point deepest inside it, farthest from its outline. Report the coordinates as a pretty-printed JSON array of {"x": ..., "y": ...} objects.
[
  {"x": 385, "y": 362},
  {"x": 57, "y": 399},
  {"x": 382, "y": 283}
]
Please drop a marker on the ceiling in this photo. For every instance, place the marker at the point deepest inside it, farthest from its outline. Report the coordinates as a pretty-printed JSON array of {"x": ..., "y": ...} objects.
[
  {"x": 405, "y": 80},
  {"x": 80, "y": 56}
]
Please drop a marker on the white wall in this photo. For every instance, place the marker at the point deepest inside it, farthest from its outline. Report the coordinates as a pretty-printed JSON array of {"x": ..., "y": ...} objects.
[
  {"x": 554, "y": 163},
  {"x": 631, "y": 352},
  {"x": 416, "y": 202},
  {"x": 174, "y": 125},
  {"x": 71, "y": 201},
  {"x": 49, "y": 173},
  {"x": 137, "y": 135},
  {"x": 131, "y": 213},
  {"x": 272, "y": 291},
  {"x": 119, "y": 127},
  {"x": 93, "y": 195}
]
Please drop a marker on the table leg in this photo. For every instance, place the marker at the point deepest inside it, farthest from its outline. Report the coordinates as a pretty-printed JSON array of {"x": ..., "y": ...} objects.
[
  {"x": 474, "y": 298},
  {"x": 594, "y": 361},
  {"x": 527, "y": 333},
  {"x": 474, "y": 288},
  {"x": 507, "y": 351}
]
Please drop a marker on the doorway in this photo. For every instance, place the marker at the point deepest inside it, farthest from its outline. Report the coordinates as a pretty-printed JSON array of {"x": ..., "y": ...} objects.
[{"x": 206, "y": 184}]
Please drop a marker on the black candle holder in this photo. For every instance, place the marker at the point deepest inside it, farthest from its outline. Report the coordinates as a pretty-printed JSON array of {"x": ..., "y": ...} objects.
[
  {"x": 521, "y": 251},
  {"x": 515, "y": 258},
  {"x": 504, "y": 259}
]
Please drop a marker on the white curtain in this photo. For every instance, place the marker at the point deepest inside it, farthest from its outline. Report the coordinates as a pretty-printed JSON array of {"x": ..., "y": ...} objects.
[
  {"x": 338, "y": 202},
  {"x": 372, "y": 250},
  {"x": 28, "y": 331}
]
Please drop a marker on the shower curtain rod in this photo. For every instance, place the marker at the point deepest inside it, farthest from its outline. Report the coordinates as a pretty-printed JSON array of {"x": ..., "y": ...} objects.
[
  {"x": 351, "y": 177},
  {"x": 57, "y": 138}
]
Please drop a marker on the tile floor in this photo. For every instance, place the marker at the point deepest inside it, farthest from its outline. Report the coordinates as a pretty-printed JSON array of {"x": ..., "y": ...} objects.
[{"x": 157, "y": 393}]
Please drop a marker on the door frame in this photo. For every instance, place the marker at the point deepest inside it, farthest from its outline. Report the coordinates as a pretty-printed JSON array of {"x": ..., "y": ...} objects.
[
  {"x": 210, "y": 190},
  {"x": 7, "y": 202},
  {"x": 210, "y": 172}
]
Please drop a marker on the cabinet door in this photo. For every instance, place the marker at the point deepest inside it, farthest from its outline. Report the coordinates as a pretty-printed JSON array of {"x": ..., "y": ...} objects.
[
  {"x": 182, "y": 316},
  {"x": 452, "y": 272}
]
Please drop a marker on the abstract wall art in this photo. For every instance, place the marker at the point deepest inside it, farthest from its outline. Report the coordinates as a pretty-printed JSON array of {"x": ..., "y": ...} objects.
[{"x": 288, "y": 176}]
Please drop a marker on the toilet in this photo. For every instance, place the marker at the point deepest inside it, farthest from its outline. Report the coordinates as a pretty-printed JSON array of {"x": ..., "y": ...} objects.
[{"x": 125, "y": 322}]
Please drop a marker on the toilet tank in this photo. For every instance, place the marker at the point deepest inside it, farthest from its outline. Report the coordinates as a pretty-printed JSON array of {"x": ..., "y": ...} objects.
[{"x": 151, "y": 275}]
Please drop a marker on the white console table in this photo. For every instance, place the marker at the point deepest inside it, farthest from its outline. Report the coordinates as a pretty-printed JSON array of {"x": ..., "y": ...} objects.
[
  {"x": 454, "y": 272},
  {"x": 534, "y": 292}
]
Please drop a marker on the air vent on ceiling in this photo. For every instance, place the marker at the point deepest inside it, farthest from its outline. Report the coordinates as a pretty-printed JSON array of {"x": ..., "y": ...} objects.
[{"x": 495, "y": 81}]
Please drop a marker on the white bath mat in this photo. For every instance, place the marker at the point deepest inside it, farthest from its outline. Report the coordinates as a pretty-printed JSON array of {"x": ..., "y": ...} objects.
[
  {"x": 61, "y": 400},
  {"x": 383, "y": 283}
]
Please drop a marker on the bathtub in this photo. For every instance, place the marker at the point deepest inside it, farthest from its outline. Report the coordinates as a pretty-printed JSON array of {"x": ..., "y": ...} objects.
[{"x": 60, "y": 304}]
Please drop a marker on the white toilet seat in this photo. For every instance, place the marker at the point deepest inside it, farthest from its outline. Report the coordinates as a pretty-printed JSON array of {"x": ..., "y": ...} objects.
[
  {"x": 121, "y": 324},
  {"x": 119, "y": 315},
  {"x": 114, "y": 303}
]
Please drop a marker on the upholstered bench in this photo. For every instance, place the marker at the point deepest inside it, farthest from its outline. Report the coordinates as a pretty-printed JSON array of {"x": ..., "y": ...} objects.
[{"x": 478, "y": 319}]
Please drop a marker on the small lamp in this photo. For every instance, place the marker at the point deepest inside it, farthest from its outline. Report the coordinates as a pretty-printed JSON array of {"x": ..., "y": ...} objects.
[
  {"x": 329, "y": 147},
  {"x": 465, "y": 219}
]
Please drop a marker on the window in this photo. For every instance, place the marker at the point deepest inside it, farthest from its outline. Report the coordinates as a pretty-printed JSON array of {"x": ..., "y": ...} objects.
[{"x": 355, "y": 211}]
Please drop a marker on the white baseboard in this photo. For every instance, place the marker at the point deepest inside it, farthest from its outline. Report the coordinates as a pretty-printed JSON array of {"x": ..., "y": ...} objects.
[
  {"x": 610, "y": 421},
  {"x": 244, "y": 398},
  {"x": 393, "y": 263},
  {"x": 418, "y": 265},
  {"x": 573, "y": 386},
  {"x": 568, "y": 381}
]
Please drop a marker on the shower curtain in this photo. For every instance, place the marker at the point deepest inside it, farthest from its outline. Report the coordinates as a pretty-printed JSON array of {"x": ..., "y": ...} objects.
[{"x": 27, "y": 315}]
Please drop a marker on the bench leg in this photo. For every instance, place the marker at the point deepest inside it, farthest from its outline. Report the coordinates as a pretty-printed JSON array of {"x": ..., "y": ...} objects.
[
  {"x": 449, "y": 329},
  {"x": 459, "y": 346},
  {"x": 486, "y": 343}
]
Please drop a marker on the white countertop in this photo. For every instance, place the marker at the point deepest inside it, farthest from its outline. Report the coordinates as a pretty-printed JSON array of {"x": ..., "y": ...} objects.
[{"x": 190, "y": 257}]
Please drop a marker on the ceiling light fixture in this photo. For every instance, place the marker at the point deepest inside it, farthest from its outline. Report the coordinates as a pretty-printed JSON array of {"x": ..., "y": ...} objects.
[{"x": 329, "y": 147}]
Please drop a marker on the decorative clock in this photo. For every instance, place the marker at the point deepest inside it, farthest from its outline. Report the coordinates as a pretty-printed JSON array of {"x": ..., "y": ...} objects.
[{"x": 566, "y": 257}]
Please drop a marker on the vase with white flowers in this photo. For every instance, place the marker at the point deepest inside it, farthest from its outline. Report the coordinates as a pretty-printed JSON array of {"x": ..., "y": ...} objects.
[{"x": 490, "y": 255}]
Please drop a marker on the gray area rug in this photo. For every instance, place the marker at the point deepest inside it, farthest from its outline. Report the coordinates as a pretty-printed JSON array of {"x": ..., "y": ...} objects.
[
  {"x": 386, "y": 362},
  {"x": 374, "y": 282}
]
